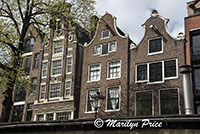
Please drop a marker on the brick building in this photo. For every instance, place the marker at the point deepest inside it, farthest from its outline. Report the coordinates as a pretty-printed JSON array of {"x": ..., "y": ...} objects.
[
  {"x": 155, "y": 79},
  {"x": 192, "y": 32},
  {"x": 106, "y": 70}
]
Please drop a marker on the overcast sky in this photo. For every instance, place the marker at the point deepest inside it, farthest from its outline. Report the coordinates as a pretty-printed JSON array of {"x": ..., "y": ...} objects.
[{"x": 131, "y": 14}]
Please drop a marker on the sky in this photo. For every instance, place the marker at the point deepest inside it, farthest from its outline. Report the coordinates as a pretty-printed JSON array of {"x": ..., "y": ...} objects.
[{"x": 131, "y": 14}]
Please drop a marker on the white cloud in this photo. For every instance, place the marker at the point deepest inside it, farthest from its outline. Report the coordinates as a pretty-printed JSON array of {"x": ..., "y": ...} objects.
[{"x": 131, "y": 14}]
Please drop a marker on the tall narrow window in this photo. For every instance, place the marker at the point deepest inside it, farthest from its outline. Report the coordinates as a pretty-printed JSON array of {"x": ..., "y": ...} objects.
[
  {"x": 195, "y": 45},
  {"x": 29, "y": 112},
  {"x": 56, "y": 69},
  {"x": 112, "y": 46},
  {"x": 42, "y": 91},
  {"x": 113, "y": 96},
  {"x": 94, "y": 72},
  {"x": 28, "y": 45},
  {"x": 17, "y": 113},
  {"x": 54, "y": 90},
  {"x": 69, "y": 64},
  {"x": 105, "y": 49},
  {"x": 44, "y": 69},
  {"x": 155, "y": 72},
  {"x": 33, "y": 84},
  {"x": 90, "y": 100},
  {"x": 20, "y": 93},
  {"x": 114, "y": 69},
  {"x": 141, "y": 72},
  {"x": 155, "y": 45},
  {"x": 36, "y": 61},
  {"x": 58, "y": 46},
  {"x": 97, "y": 49},
  {"x": 170, "y": 68},
  {"x": 68, "y": 88},
  {"x": 169, "y": 102},
  {"x": 27, "y": 64},
  {"x": 143, "y": 103}
]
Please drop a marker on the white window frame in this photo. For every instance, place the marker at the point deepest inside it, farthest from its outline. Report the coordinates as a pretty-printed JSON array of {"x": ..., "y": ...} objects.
[
  {"x": 106, "y": 110},
  {"x": 152, "y": 101},
  {"x": 108, "y": 43},
  {"x": 89, "y": 72},
  {"x": 156, "y": 82},
  {"x": 36, "y": 119},
  {"x": 173, "y": 77},
  {"x": 70, "y": 56},
  {"x": 179, "y": 106},
  {"x": 43, "y": 62},
  {"x": 159, "y": 52},
  {"x": 52, "y": 67},
  {"x": 86, "y": 111},
  {"x": 70, "y": 88},
  {"x": 42, "y": 84},
  {"x": 61, "y": 53},
  {"x": 108, "y": 70},
  {"x": 49, "y": 113},
  {"x": 104, "y": 31},
  {"x": 50, "y": 90},
  {"x": 140, "y": 81},
  {"x": 71, "y": 115},
  {"x": 109, "y": 46},
  {"x": 95, "y": 48}
]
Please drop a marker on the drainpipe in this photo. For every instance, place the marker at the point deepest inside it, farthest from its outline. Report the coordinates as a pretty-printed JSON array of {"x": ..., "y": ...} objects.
[{"x": 185, "y": 71}]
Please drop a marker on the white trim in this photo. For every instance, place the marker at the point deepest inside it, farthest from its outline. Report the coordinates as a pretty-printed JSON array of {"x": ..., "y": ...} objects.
[
  {"x": 27, "y": 54},
  {"x": 42, "y": 84},
  {"x": 70, "y": 49},
  {"x": 46, "y": 54},
  {"x": 194, "y": 29},
  {"x": 104, "y": 31},
  {"x": 88, "y": 81},
  {"x": 107, "y": 78},
  {"x": 52, "y": 67},
  {"x": 115, "y": 110},
  {"x": 179, "y": 106},
  {"x": 58, "y": 82},
  {"x": 69, "y": 56},
  {"x": 70, "y": 88},
  {"x": 140, "y": 81},
  {"x": 89, "y": 112},
  {"x": 60, "y": 54},
  {"x": 152, "y": 101},
  {"x": 174, "y": 77},
  {"x": 108, "y": 43},
  {"x": 19, "y": 103},
  {"x": 159, "y": 52},
  {"x": 43, "y": 62}
]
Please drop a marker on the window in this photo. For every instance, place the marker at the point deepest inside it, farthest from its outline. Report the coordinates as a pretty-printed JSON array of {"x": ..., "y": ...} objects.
[
  {"x": 49, "y": 117},
  {"x": 113, "y": 95},
  {"x": 36, "y": 61},
  {"x": 106, "y": 48},
  {"x": 44, "y": 69},
  {"x": 17, "y": 113},
  {"x": 155, "y": 46},
  {"x": 29, "y": 112},
  {"x": 94, "y": 72},
  {"x": 58, "y": 47},
  {"x": 196, "y": 82},
  {"x": 195, "y": 45},
  {"x": 27, "y": 64},
  {"x": 155, "y": 72},
  {"x": 54, "y": 90},
  {"x": 169, "y": 102},
  {"x": 144, "y": 103},
  {"x": 141, "y": 72},
  {"x": 105, "y": 34},
  {"x": 20, "y": 93},
  {"x": 68, "y": 88},
  {"x": 28, "y": 45},
  {"x": 90, "y": 100},
  {"x": 56, "y": 69},
  {"x": 69, "y": 64},
  {"x": 114, "y": 69},
  {"x": 33, "y": 84},
  {"x": 40, "y": 117},
  {"x": 42, "y": 92},
  {"x": 63, "y": 116},
  {"x": 170, "y": 68}
]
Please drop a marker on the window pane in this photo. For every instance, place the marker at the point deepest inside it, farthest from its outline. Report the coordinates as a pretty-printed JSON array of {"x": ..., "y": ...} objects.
[
  {"x": 20, "y": 93},
  {"x": 63, "y": 116},
  {"x": 17, "y": 113},
  {"x": 155, "y": 45},
  {"x": 169, "y": 101},
  {"x": 68, "y": 88},
  {"x": 170, "y": 68},
  {"x": 55, "y": 90},
  {"x": 104, "y": 49},
  {"x": 94, "y": 73},
  {"x": 155, "y": 72},
  {"x": 36, "y": 61},
  {"x": 195, "y": 45},
  {"x": 141, "y": 72},
  {"x": 27, "y": 64},
  {"x": 29, "y": 112},
  {"x": 113, "y": 98},
  {"x": 112, "y": 46},
  {"x": 44, "y": 69},
  {"x": 105, "y": 33},
  {"x": 196, "y": 82},
  {"x": 33, "y": 84},
  {"x": 57, "y": 64},
  {"x": 40, "y": 117},
  {"x": 28, "y": 45},
  {"x": 58, "y": 46},
  {"x": 50, "y": 117},
  {"x": 90, "y": 101},
  {"x": 144, "y": 103},
  {"x": 97, "y": 49},
  {"x": 114, "y": 69},
  {"x": 42, "y": 91},
  {"x": 69, "y": 64}
]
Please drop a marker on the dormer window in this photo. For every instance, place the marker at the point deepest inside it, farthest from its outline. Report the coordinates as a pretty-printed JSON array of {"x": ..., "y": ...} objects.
[
  {"x": 28, "y": 45},
  {"x": 155, "y": 46},
  {"x": 105, "y": 34}
]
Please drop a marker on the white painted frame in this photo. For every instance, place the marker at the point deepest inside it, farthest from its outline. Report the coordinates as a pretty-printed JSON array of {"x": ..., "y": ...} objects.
[
  {"x": 44, "y": 61},
  {"x": 103, "y": 32},
  {"x": 70, "y": 88},
  {"x": 52, "y": 67},
  {"x": 42, "y": 84},
  {"x": 59, "y": 82},
  {"x": 89, "y": 72},
  {"x": 159, "y": 52},
  {"x": 174, "y": 77},
  {"x": 120, "y": 61},
  {"x": 69, "y": 56}
]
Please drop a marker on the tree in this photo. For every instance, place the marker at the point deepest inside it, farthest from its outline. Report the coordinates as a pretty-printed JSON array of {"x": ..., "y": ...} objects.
[{"x": 16, "y": 16}]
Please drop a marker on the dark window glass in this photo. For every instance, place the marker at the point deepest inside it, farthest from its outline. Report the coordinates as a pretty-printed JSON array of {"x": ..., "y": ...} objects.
[
  {"x": 20, "y": 93},
  {"x": 33, "y": 84},
  {"x": 142, "y": 72},
  {"x": 27, "y": 64},
  {"x": 29, "y": 112},
  {"x": 105, "y": 33},
  {"x": 196, "y": 81},
  {"x": 28, "y": 45},
  {"x": 144, "y": 103},
  {"x": 195, "y": 45},
  {"x": 169, "y": 101},
  {"x": 104, "y": 49},
  {"x": 170, "y": 68},
  {"x": 155, "y": 45},
  {"x": 63, "y": 116},
  {"x": 36, "y": 61},
  {"x": 17, "y": 113},
  {"x": 155, "y": 72}
]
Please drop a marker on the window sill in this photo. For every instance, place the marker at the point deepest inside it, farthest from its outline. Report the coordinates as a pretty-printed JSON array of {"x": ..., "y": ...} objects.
[
  {"x": 105, "y": 38},
  {"x": 93, "y": 81},
  {"x": 171, "y": 78},
  {"x": 56, "y": 75},
  {"x": 68, "y": 73},
  {"x": 157, "y": 82},
  {"x": 154, "y": 53},
  {"x": 113, "y": 78},
  {"x": 116, "y": 110},
  {"x": 141, "y": 81},
  {"x": 90, "y": 112}
]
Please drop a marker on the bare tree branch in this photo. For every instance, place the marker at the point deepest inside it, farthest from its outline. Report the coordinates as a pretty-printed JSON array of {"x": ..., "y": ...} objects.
[
  {"x": 4, "y": 67},
  {"x": 20, "y": 10}
]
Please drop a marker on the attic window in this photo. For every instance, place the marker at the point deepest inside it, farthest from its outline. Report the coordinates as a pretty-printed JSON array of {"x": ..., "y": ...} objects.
[
  {"x": 155, "y": 46},
  {"x": 105, "y": 34}
]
